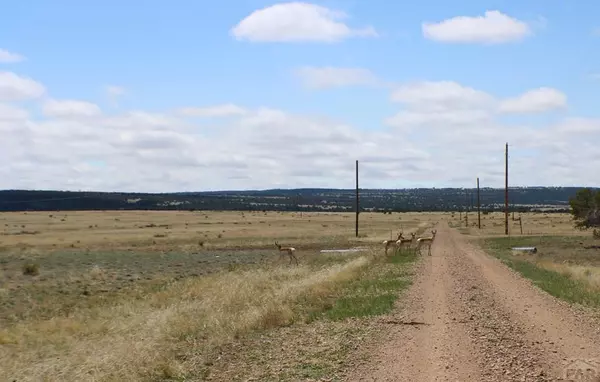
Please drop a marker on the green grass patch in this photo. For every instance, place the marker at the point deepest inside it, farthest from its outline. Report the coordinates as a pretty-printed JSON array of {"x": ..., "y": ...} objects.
[
  {"x": 373, "y": 293},
  {"x": 558, "y": 284},
  {"x": 311, "y": 370}
]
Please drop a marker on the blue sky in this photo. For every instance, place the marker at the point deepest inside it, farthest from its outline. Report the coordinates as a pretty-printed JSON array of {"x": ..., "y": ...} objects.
[{"x": 164, "y": 56}]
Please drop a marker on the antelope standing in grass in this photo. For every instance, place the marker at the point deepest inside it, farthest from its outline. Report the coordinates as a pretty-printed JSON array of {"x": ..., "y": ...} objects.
[
  {"x": 402, "y": 241},
  {"x": 389, "y": 243},
  {"x": 289, "y": 250},
  {"x": 428, "y": 241}
]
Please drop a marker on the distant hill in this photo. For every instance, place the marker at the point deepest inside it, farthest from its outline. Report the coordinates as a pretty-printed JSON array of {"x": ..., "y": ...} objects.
[{"x": 306, "y": 199}]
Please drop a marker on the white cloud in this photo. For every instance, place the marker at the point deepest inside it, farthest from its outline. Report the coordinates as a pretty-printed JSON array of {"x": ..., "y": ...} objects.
[
  {"x": 447, "y": 103},
  {"x": 579, "y": 126},
  {"x": 225, "y": 110},
  {"x": 454, "y": 137},
  {"x": 460, "y": 128},
  {"x": 265, "y": 148},
  {"x": 15, "y": 88},
  {"x": 535, "y": 101},
  {"x": 493, "y": 28},
  {"x": 417, "y": 119},
  {"x": 331, "y": 77},
  {"x": 12, "y": 113},
  {"x": 9, "y": 57},
  {"x": 295, "y": 22},
  {"x": 70, "y": 109},
  {"x": 441, "y": 95}
]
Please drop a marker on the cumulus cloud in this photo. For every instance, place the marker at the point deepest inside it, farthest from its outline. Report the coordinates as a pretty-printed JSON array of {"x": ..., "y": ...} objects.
[
  {"x": 12, "y": 113},
  {"x": 494, "y": 27},
  {"x": 447, "y": 103},
  {"x": 441, "y": 95},
  {"x": 455, "y": 137},
  {"x": 535, "y": 101},
  {"x": 225, "y": 110},
  {"x": 295, "y": 22},
  {"x": 7, "y": 57},
  {"x": 69, "y": 109},
  {"x": 332, "y": 77},
  {"x": 16, "y": 88},
  {"x": 460, "y": 128}
]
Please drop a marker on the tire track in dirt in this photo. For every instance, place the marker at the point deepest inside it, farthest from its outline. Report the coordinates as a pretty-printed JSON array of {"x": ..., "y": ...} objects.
[{"x": 482, "y": 322}]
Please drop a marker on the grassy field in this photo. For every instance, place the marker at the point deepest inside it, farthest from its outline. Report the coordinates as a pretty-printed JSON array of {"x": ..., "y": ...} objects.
[
  {"x": 533, "y": 224},
  {"x": 102, "y": 296},
  {"x": 170, "y": 296},
  {"x": 567, "y": 264}
]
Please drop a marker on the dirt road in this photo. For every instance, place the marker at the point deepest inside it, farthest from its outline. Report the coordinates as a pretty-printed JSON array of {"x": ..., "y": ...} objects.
[{"x": 470, "y": 318}]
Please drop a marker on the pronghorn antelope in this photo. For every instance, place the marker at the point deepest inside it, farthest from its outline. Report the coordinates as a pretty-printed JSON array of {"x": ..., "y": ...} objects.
[
  {"x": 388, "y": 243},
  {"x": 428, "y": 241},
  {"x": 290, "y": 251},
  {"x": 402, "y": 241}
]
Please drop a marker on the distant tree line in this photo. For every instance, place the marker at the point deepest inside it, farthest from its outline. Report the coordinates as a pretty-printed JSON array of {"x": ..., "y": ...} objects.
[{"x": 334, "y": 200}]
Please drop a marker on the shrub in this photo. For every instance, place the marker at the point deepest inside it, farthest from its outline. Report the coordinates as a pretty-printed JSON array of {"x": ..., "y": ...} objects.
[{"x": 31, "y": 269}]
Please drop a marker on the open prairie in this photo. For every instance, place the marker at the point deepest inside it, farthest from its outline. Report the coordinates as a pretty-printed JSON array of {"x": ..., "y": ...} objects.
[
  {"x": 108, "y": 296},
  {"x": 122, "y": 295}
]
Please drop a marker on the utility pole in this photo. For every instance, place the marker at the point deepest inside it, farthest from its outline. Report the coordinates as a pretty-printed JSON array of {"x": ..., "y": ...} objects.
[
  {"x": 506, "y": 190},
  {"x": 466, "y": 208},
  {"x": 478, "y": 206},
  {"x": 357, "y": 205}
]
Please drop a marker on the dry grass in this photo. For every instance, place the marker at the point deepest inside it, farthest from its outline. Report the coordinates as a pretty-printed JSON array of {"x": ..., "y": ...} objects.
[
  {"x": 588, "y": 274},
  {"x": 534, "y": 224},
  {"x": 114, "y": 302},
  {"x": 151, "y": 337},
  {"x": 566, "y": 266},
  {"x": 567, "y": 263},
  {"x": 185, "y": 231}
]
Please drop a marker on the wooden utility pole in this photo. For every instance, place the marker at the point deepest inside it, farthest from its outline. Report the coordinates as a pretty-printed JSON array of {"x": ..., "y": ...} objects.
[
  {"x": 521, "y": 224},
  {"x": 506, "y": 190},
  {"x": 478, "y": 206},
  {"x": 466, "y": 208},
  {"x": 357, "y": 205}
]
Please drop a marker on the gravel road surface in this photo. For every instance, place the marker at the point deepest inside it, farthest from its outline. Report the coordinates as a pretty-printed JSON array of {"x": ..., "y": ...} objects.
[{"x": 468, "y": 317}]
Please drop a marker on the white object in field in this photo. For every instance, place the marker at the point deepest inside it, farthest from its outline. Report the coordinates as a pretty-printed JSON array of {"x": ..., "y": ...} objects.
[
  {"x": 525, "y": 249},
  {"x": 357, "y": 249}
]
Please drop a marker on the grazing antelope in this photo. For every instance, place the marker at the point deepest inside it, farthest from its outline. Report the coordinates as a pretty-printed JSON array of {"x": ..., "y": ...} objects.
[
  {"x": 428, "y": 241},
  {"x": 402, "y": 241},
  {"x": 388, "y": 243},
  {"x": 290, "y": 251}
]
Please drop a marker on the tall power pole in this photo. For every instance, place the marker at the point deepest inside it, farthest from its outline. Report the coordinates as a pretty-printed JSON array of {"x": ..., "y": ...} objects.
[
  {"x": 478, "y": 206},
  {"x": 357, "y": 205},
  {"x": 506, "y": 190},
  {"x": 466, "y": 208}
]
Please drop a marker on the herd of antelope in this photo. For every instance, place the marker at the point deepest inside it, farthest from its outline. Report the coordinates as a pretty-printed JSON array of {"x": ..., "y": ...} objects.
[
  {"x": 419, "y": 242},
  {"x": 398, "y": 244}
]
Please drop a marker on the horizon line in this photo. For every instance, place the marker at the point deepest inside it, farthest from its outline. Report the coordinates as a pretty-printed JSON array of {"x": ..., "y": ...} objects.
[{"x": 288, "y": 189}]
